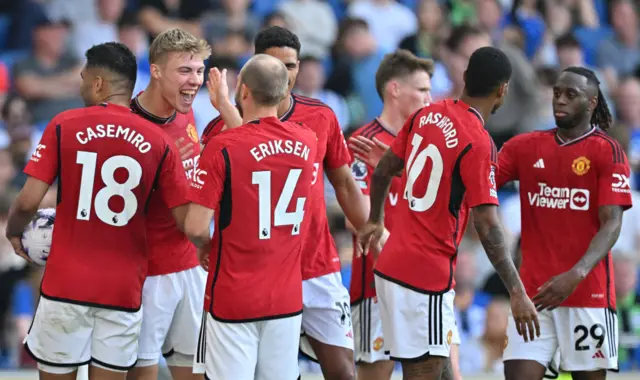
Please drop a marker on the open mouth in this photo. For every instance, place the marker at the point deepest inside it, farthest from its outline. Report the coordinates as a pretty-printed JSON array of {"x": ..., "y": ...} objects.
[{"x": 188, "y": 95}]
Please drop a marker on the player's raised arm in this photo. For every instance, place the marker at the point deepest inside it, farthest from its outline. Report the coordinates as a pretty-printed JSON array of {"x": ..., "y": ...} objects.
[{"x": 219, "y": 96}]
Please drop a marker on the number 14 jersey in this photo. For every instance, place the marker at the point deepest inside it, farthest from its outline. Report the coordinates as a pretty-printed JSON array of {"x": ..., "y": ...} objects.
[
  {"x": 450, "y": 163},
  {"x": 107, "y": 161}
]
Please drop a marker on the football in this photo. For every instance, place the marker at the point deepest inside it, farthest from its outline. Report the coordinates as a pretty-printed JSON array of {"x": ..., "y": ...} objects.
[{"x": 36, "y": 238}]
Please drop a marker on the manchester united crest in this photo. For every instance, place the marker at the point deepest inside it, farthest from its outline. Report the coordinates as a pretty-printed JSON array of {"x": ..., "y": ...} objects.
[
  {"x": 449, "y": 337},
  {"x": 378, "y": 343},
  {"x": 581, "y": 165},
  {"x": 191, "y": 131}
]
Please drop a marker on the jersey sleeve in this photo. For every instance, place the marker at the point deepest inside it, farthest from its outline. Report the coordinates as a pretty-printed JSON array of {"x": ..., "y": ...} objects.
[
  {"x": 362, "y": 174},
  {"x": 614, "y": 187},
  {"x": 207, "y": 187},
  {"x": 507, "y": 164},
  {"x": 337, "y": 151},
  {"x": 43, "y": 164},
  {"x": 213, "y": 128},
  {"x": 399, "y": 146},
  {"x": 172, "y": 181},
  {"x": 478, "y": 171}
]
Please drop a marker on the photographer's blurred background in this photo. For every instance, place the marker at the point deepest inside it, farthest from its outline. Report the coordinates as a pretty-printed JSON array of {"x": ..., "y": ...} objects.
[{"x": 42, "y": 43}]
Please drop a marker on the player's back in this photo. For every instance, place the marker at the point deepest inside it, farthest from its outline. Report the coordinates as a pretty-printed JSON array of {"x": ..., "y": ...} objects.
[
  {"x": 262, "y": 220},
  {"x": 445, "y": 148},
  {"x": 108, "y": 161}
]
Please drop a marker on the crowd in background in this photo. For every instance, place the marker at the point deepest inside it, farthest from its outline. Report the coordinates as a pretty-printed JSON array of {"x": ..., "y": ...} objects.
[{"x": 42, "y": 44}]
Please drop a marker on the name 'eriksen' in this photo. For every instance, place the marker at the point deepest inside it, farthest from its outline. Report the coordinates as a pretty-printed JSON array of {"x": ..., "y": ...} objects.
[
  {"x": 446, "y": 126},
  {"x": 114, "y": 132},
  {"x": 273, "y": 147}
]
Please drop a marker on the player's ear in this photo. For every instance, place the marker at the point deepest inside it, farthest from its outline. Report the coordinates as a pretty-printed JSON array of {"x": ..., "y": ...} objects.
[
  {"x": 98, "y": 84},
  {"x": 502, "y": 90},
  {"x": 155, "y": 71},
  {"x": 244, "y": 91},
  {"x": 395, "y": 88},
  {"x": 593, "y": 103},
  {"x": 464, "y": 76}
]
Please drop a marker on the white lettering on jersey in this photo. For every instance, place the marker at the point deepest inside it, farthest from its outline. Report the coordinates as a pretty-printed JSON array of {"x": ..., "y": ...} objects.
[
  {"x": 620, "y": 183},
  {"x": 111, "y": 131},
  {"x": 446, "y": 126},
  {"x": 37, "y": 154},
  {"x": 273, "y": 147},
  {"x": 393, "y": 199},
  {"x": 559, "y": 198}
]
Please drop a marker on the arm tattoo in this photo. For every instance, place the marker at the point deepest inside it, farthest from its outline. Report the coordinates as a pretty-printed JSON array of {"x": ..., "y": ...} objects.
[
  {"x": 603, "y": 241},
  {"x": 447, "y": 372},
  {"x": 387, "y": 168},
  {"x": 493, "y": 241}
]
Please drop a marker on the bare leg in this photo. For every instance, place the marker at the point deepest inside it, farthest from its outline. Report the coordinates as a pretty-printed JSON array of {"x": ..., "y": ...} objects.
[
  {"x": 429, "y": 368},
  {"x": 51, "y": 376},
  {"x": 185, "y": 373},
  {"x": 98, "y": 373},
  {"x": 337, "y": 363},
  {"x": 380, "y": 370},
  {"x": 591, "y": 375},
  {"x": 523, "y": 370}
]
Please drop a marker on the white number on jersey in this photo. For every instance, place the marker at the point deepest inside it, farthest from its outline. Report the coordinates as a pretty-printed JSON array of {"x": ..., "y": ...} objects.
[
  {"x": 112, "y": 188},
  {"x": 281, "y": 217},
  {"x": 415, "y": 166}
]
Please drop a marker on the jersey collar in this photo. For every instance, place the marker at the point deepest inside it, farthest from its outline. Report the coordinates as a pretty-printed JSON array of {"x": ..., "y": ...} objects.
[
  {"x": 562, "y": 142},
  {"x": 470, "y": 109}
]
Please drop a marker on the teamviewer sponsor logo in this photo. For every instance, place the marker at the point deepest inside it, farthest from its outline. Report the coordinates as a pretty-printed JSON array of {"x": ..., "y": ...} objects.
[
  {"x": 559, "y": 198},
  {"x": 620, "y": 183}
]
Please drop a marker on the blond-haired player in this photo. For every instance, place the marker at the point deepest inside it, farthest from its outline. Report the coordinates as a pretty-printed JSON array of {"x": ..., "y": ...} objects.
[{"x": 174, "y": 289}]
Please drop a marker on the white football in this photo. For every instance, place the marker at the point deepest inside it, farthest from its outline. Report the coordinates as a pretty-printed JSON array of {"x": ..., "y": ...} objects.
[{"x": 37, "y": 235}]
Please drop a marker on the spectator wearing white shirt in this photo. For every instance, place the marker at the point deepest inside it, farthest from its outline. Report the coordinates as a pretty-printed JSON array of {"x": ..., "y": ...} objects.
[
  {"x": 88, "y": 32},
  {"x": 389, "y": 21},
  {"x": 314, "y": 23}
]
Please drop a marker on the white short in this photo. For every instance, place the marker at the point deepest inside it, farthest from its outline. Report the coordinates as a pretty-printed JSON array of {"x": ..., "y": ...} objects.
[
  {"x": 262, "y": 350},
  {"x": 571, "y": 339},
  {"x": 415, "y": 324},
  {"x": 172, "y": 305},
  {"x": 326, "y": 313},
  {"x": 367, "y": 329},
  {"x": 69, "y": 335}
]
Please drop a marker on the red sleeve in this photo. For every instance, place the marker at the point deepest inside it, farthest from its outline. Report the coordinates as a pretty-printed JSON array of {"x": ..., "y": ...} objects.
[
  {"x": 337, "y": 152},
  {"x": 507, "y": 164},
  {"x": 613, "y": 178},
  {"x": 478, "y": 171},
  {"x": 399, "y": 146},
  {"x": 213, "y": 128},
  {"x": 207, "y": 187},
  {"x": 172, "y": 181},
  {"x": 43, "y": 164}
]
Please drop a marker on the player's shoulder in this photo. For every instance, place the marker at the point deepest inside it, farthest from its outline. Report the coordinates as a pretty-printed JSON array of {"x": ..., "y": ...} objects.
[
  {"x": 299, "y": 129},
  {"x": 213, "y": 128},
  {"x": 311, "y": 106},
  {"x": 609, "y": 148},
  {"x": 531, "y": 139},
  {"x": 370, "y": 130}
]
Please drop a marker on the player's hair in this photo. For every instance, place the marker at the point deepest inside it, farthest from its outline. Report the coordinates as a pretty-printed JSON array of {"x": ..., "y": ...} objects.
[
  {"x": 177, "y": 40},
  {"x": 117, "y": 59},
  {"x": 400, "y": 64},
  {"x": 601, "y": 116},
  {"x": 276, "y": 37},
  {"x": 267, "y": 78},
  {"x": 488, "y": 69}
]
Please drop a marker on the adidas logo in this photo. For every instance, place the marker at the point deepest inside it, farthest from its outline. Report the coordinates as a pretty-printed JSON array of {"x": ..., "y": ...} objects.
[
  {"x": 539, "y": 164},
  {"x": 598, "y": 355}
]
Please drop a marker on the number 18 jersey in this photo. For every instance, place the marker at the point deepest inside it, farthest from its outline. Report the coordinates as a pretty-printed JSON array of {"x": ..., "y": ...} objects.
[
  {"x": 257, "y": 178},
  {"x": 449, "y": 167},
  {"x": 107, "y": 162}
]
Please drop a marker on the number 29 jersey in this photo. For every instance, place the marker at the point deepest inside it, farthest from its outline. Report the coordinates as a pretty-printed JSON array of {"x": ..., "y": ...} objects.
[
  {"x": 107, "y": 161},
  {"x": 450, "y": 163},
  {"x": 258, "y": 180}
]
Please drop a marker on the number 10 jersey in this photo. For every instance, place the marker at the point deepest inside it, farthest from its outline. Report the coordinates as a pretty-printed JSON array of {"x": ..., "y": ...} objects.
[
  {"x": 107, "y": 161},
  {"x": 450, "y": 164}
]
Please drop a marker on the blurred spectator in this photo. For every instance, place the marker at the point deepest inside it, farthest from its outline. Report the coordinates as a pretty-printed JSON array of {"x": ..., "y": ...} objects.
[
  {"x": 547, "y": 77},
  {"x": 49, "y": 78},
  {"x": 20, "y": 138},
  {"x": 311, "y": 78},
  {"x": 157, "y": 16},
  {"x": 490, "y": 16},
  {"x": 628, "y": 303},
  {"x": 7, "y": 173},
  {"x": 203, "y": 111},
  {"x": 88, "y": 32},
  {"x": 484, "y": 354},
  {"x": 315, "y": 24},
  {"x": 275, "y": 19},
  {"x": 526, "y": 16},
  {"x": 233, "y": 17},
  {"x": 425, "y": 42},
  {"x": 389, "y": 21},
  {"x": 628, "y": 104},
  {"x": 619, "y": 55},
  {"x": 469, "y": 303},
  {"x": 131, "y": 33},
  {"x": 235, "y": 44}
]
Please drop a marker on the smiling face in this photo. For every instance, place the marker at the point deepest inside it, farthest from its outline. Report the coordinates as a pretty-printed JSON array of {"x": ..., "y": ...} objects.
[{"x": 180, "y": 77}]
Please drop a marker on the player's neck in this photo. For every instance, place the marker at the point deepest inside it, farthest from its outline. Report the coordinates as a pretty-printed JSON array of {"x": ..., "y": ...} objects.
[
  {"x": 568, "y": 134},
  {"x": 284, "y": 105},
  {"x": 250, "y": 114},
  {"x": 391, "y": 119},
  {"x": 118, "y": 100},
  {"x": 151, "y": 101},
  {"x": 483, "y": 106}
]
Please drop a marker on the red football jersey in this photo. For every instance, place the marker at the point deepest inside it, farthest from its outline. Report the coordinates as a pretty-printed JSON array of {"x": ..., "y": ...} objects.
[
  {"x": 257, "y": 179},
  {"x": 319, "y": 255},
  {"x": 562, "y": 185},
  {"x": 106, "y": 160},
  {"x": 170, "y": 251},
  {"x": 362, "y": 282},
  {"x": 449, "y": 167}
]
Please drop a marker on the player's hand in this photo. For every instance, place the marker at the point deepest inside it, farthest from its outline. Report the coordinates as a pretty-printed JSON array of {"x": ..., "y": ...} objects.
[
  {"x": 203, "y": 257},
  {"x": 16, "y": 242},
  {"x": 217, "y": 86},
  {"x": 376, "y": 247},
  {"x": 370, "y": 233},
  {"x": 186, "y": 150},
  {"x": 557, "y": 289},
  {"x": 525, "y": 316},
  {"x": 368, "y": 151}
]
